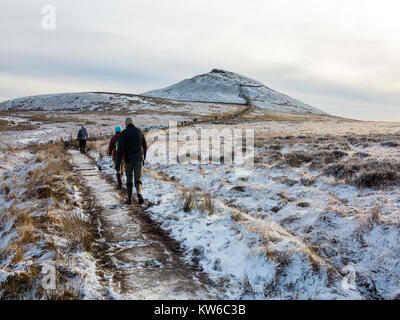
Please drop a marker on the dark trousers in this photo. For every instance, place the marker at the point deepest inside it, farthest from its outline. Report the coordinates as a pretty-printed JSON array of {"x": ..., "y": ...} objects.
[
  {"x": 133, "y": 172},
  {"x": 82, "y": 146}
]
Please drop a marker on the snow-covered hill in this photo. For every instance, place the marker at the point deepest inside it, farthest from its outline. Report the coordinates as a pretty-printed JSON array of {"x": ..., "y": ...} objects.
[
  {"x": 228, "y": 87},
  {"x": 70, "y": 102},
  {"x": 197, "y": 94},
  {"x": 111, "y": 102}
]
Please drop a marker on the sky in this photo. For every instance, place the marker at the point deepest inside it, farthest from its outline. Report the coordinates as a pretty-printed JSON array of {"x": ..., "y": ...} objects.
[{"x": 341, "y": 56}]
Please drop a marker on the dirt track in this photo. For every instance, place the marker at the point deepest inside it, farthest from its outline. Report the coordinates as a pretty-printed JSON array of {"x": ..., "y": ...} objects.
[{"x": 136, "y": 258}]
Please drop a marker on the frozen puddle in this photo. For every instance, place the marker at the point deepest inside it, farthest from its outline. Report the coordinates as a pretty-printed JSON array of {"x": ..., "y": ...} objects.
[{"x": 138, "y": 265}]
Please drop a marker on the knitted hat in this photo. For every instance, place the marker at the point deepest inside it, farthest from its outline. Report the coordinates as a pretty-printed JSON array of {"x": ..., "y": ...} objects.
[{"x": 118, "y": 129}]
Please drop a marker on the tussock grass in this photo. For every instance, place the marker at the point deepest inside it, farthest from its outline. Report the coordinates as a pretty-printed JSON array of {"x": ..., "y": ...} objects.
[
  {"x": 303, "y": 204},
  {"x": 46, "y": 186},
  {"x": 49, "y": 150},
  {"x": 26, "y": 231},
  {"x": 50, "y": 181},
  {"x": 18, "y": 255},
  {"x": 5, "y": 188},
  {"x": 239, "y": 188},
  {"x": 246, "y": 286},
  {"x": 376, "y": 179},
  {"x": 17, "y": 286},
  {"x": 15, "y": 126},
  {"x": 189, "y": 201},
  {"x": 45, "y": 119},
  {"x": 369, "y": 174},
  {"x": 318, "y": 159},
  {"x": 330, "y": 155},
  {"x": 391, "y": 144},
  {"x": 208, "y": 204},
  {"x": 307, "y": 182},
  {"x": 367, "y": 223},
  {"x": 77, "y": 231},
  {"x": 297, "y": 158},
  {"x": 24, "y": 224},
  {"x": 40, "y": 157},
  {"x": 361, "y": 155},
  {"x": 236, "y": 216}
]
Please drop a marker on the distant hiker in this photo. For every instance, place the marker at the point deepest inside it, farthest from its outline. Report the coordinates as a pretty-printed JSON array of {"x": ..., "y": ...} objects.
[
  {"x": 132, "y": 147},
  {"x": 82, "y": 137},
  {"x": 112, "y": 151}
]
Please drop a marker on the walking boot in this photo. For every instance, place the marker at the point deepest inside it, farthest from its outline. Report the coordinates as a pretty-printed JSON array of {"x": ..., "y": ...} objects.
[
  {"x": 129, "y": 189},
  {"x": 138, "y": 186},
  {"x": 119, "y": 181}
]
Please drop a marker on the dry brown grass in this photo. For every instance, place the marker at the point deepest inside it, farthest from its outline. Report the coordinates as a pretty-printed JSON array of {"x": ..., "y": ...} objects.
[
  {"x": 367, "y": 222},
  {"x": 50, "y": 245},
  {"x": 45, "y": 185},
  {"x": 99, "y": 145},
  {"x": 50, "y": 181},
  {"x": 297, "y": 158},
  {"x": 246, "y": 286},
  {"x": 189, "y": 201},
  {"x": 46, "y": 119},
  {"x": 26, "y": 230},
  {"x": 18, "y": 255},
  {"x": 51, "y": 149},
  {"x": 15, "y": 126},
  {"x": 24, "y": 285},
  {"x": 368, "y": 174},
  {"x": 236, "y": 216},
  {"x": 5, "y": 188},
  {"x": 303, "y": 204},
  {"x": 16, "y": 286},
  {"x": 40, "y": 157},
  {"x": 318, "y": 159},
  {"x": 239, "y": 188},
  {"x": 77, "y": 231},
  {"x": 25, "y": 226},
  {"x": 207, "y": 205},
  {"x": 43, "y": 220}
]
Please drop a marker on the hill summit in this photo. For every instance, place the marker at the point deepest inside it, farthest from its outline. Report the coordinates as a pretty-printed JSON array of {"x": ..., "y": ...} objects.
[{"x": 229, "y": 87}]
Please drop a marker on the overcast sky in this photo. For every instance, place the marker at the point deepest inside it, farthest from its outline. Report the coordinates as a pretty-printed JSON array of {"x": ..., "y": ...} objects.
[{"x": 341, "y": 56}]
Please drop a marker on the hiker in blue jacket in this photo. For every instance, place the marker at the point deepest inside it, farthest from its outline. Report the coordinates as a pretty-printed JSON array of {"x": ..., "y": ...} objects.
[{"x": 82, "y": 137}]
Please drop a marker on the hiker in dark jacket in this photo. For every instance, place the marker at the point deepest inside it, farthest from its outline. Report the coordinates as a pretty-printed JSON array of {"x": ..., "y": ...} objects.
[
  {"x": 112, "y": 151},
  {"x": 82, "y": 137},
  {"x": 132, "y": 147}
]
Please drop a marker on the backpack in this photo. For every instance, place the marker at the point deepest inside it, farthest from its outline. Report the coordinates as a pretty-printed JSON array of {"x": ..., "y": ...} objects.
[{"x": 116, "y": 144}]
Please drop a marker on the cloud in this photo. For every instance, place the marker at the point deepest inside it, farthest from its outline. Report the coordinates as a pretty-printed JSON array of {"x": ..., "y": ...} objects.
[{"x": 341, "y": 56}]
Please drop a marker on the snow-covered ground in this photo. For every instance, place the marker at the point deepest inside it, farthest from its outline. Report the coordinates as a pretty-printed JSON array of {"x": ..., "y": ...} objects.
[
  {"x": 228, "y": 87},
  {"x": 321, "y": 199},
  {"x": 32, "y": 234},
  {"x": 59, "y": 116},
  {"x": 65, "y": 129},
  {"x": 284, "y": 231}
]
